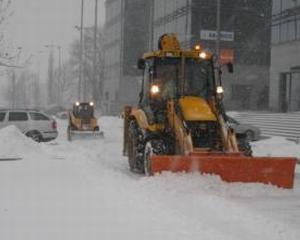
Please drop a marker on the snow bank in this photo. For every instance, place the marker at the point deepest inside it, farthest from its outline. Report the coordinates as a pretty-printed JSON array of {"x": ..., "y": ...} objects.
[
  {"x": 232, "y": 113},
  {"x": 276, "y": 146},
  {"x": 14, "y": 144}
]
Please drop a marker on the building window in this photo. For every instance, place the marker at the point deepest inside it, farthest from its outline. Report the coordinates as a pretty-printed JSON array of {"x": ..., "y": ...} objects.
[{"x": 285, "y": 20}]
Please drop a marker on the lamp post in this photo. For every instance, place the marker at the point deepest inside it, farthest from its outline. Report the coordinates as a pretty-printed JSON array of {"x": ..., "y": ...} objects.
[
  {"x": 14, "y": 78},
  {"x": 218, "y": 30},
  {"x": 80, "y": 57},
  {"x": 95, "y": 52}
]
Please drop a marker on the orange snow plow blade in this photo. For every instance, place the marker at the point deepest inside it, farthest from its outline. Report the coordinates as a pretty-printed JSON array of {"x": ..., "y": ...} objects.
[{"x": 231, "y": 167}]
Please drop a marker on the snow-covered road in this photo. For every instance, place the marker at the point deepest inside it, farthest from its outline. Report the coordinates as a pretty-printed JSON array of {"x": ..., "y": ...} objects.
[{"x": 84, "y": 190}]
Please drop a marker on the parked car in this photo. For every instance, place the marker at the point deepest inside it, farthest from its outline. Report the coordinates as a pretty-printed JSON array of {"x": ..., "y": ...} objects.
[
  {"x": 251, "y": 132},
  {"x": 32, "y": 123}
]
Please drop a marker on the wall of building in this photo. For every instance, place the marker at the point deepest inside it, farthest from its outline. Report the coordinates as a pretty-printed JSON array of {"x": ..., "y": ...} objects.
[
  {"x": 112, "y": 54},
  {"x": 127, "y": 36},
  {"x": 247, "y": 20},
  {"x": 285, "y": 56}
]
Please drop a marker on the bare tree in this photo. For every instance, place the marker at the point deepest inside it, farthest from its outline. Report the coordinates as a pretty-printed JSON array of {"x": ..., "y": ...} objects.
[{"x": 92, "y": 78}]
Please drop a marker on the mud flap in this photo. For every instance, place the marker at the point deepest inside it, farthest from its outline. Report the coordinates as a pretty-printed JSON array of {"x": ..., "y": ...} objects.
[{"x": 279, "y": 171}]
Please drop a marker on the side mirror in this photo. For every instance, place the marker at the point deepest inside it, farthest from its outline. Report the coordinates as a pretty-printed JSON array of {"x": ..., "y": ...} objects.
[
  {"x": 230, "y": 67},
  {"x": 141, "y": 64}
]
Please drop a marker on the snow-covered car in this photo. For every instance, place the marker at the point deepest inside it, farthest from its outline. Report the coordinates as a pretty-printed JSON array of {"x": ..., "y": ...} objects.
[
  {"x": 251, "y": 132},
  {"x": 32, "y": 123}
]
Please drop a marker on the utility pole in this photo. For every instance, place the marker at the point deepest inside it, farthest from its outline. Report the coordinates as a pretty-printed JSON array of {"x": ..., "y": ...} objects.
[
  {"x": 81, "y": 52},
  {"x": 50, "y": 76},
  {"x": 218, "y": 30},
  {"x": 95, "y": 53},
  {"x": 14, "y": 80},
  {"x": 59, "y": 74}
]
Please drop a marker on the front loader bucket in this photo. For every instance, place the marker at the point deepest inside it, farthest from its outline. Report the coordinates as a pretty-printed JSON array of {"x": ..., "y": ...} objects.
[{"x": 234, "y": 167}]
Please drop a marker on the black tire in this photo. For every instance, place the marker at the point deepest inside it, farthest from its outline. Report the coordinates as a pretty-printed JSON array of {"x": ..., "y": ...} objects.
[
  {"x": 148, "y": 152},
  {"x": 69, "y": 135},
  {"x": 250, "y": 135},
  {"x": 245, "y": 147},
  {"x": 35, "y": 136}
]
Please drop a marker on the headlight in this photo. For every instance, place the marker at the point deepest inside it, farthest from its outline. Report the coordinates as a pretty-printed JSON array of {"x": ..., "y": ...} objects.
[
  {"x": 220, "y": 90},
  {"x": 91, "y": 104},
  {"x": 197, "y": 47},
  {"x": 203, "y": 55},
  {"x": 154, "y": 89},
  {"x": 77, "y": 104}
]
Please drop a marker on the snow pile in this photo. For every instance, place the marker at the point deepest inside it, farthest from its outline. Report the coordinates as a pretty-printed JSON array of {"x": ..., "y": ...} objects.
[
  {"x": 276, "y": 146},
  {"x": 14, "y": 144},
  {"x": 212, "y": 185},
  {"x": 232, "y": 114}
]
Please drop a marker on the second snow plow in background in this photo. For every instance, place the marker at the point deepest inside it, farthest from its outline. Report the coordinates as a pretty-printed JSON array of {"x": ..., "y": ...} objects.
[
  {"x": 82, "y": 121},
  {"x": 180, "y": 123}
]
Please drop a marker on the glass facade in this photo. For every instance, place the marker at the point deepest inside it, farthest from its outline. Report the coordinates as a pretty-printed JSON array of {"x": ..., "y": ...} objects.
[{"x": 285, "y": 21}]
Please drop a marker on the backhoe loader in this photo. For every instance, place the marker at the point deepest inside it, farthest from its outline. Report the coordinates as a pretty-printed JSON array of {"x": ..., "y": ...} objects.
[
  {"x": 180, "y": 124},
  {"x": 82, "y": 121}
]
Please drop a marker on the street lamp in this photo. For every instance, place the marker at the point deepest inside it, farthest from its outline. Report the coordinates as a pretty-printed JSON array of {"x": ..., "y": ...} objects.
[
  {"x": 218, "y": 30},
  {"x": 80, "y": 52}
]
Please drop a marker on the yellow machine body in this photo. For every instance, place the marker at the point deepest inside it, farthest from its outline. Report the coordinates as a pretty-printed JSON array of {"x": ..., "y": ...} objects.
[{"x": 189, "y": 132}]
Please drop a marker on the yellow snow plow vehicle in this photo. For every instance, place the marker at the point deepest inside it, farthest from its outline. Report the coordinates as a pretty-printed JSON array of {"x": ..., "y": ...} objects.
[
  {"x": 180, "y": 123},
  {"x": 82, "y": 121}
]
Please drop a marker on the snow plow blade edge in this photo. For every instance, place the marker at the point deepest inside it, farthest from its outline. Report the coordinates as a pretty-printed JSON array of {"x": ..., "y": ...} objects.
[{"x": 277, "y": 171}]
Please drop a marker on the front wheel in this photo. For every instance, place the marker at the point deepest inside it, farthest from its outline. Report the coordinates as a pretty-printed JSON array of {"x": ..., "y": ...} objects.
[
  {"x": 153, "y": 147},
  {"x": 69, "y": 134},
  {"x": 132, "y": 144},
  {"x": 147, "y": 161},
  {"x": 35, "y": 136}
]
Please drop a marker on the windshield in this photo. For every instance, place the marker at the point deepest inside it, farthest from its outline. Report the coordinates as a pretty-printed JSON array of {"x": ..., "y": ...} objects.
[
  {"x": 84, "y": 111},
  {"x": 193, "y": 77}
]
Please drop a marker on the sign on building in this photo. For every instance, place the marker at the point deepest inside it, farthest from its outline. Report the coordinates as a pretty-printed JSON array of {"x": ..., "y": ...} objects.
[
  {"x": 226, "y": 55},
  {"x": 212, "y": 35}
]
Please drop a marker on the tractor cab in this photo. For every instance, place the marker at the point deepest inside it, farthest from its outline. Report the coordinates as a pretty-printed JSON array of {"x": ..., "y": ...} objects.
[
  {"x": 174, "y": 77},
  {"x": 83, "y": 110}
]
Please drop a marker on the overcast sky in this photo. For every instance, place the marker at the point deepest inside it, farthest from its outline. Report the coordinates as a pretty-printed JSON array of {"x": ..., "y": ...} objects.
[{"x": 36, "y": 23}]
